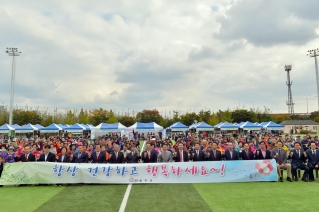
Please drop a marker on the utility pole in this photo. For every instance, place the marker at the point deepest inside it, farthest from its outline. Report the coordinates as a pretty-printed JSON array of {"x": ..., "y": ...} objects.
[
  {"x": 290, "y": 102},
  {"x": 14, "y": 53},
  {"x": 314, "y": 53}
]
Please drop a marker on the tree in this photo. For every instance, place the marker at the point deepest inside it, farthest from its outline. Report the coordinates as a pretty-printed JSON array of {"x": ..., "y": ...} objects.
[
  {"x": 70, "y": 118},
  {"x": 97, "y": 116},
  {"x": 127, "y": 120},
  {"x": 204, "y": 115},
  {"x": 189, "y": 118},
  {"x": 22, "y": 117},
  {"x": 176, "y": 116},
  {"x": 83, "y": 117},
  {"x": 149, "y": 116},
  {"x": 278, "y": 118},
  {"x": 224, "y": 116},
  {"x": 314, "y": 115},
  {"x": 213, "y": 120},
  {"x": 112, "y": 119},
  {"x": 241, "y": 115}
]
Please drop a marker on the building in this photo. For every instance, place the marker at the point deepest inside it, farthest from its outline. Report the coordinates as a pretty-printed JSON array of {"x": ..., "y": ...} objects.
[{"x": 297, "y": 125}]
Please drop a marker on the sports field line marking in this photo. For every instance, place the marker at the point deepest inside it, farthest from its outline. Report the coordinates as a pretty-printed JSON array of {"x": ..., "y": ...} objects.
[{"x": 125, "y": 198}]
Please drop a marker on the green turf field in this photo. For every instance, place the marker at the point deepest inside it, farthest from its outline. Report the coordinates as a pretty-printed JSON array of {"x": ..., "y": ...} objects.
[{"x": 258, "y": 196}]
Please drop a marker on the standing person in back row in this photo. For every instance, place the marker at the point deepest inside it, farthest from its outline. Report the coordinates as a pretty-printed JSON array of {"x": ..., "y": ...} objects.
[
  {"x": 80, "y": 156},
  {"x": 47, "y": 156},
  {"x": 165, "y": 156},
  {"x": 280, "y": 155},
  {"x": 230, "y": 153},
  {"x": 149, "y": 155},
  {"x": 180, "y": 155},
  {"x": 27, "y": 156},
  {"x": 117, "y": 156}
]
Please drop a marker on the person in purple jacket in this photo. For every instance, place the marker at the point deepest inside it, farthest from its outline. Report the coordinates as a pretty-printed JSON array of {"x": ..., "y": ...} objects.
[{"x": 10, "y": 156}]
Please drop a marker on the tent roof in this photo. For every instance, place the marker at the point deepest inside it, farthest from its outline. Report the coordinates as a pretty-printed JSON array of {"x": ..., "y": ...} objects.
[
  {"x": 27, "y": 127},
  {"x": 110, "y": 127},
  {"x": 203, "y": 125},
  {"x": 273, "y": 126},
  {"x": 227, "y": 126},
  {"x": 178, "y": 125},
  {"x": 75, "y": 127},
  {"x": 52, "y": 127},
  {"x": 38, "y": 126},
  {"x": 6, "y": 127},
  {"x": 146, "y": 126},
  {"x": 249, "y": 125}
]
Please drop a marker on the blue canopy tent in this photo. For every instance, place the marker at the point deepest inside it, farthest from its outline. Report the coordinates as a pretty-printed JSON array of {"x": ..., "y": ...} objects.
[
  {"x": 6, "y": 128},
  {"x": 104, "y": 127},
  {"x": 249, "y": 126},
  {"x": 262, "y": 124},
  {"x": 76, "y": 128},
  {"x": 227, "y": 126},
  {"x": 53, "y": 128},
  {"x": 217, "y": 125},
  {"x": 26, "y": 129},
  {"x": 193, "y": 126},
  {"x": 86, "y": 127},
  {"x": 15, "y": 126},
  {"x": 273, "y": 126},
  {"x": 178, "y": 127},
  {"x": 203, "y": 126},
  {"x": 38, "y": 126},
  {"x": 148, "y": 127}
]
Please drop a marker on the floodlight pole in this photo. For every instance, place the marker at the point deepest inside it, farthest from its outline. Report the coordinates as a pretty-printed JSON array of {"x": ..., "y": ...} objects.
[
  {"x": 12, "y": 52},
  {"x": 315, "y": 53}
]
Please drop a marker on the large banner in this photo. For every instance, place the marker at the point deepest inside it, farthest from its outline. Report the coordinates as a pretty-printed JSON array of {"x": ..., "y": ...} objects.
[{"x": 187, "y": 172}]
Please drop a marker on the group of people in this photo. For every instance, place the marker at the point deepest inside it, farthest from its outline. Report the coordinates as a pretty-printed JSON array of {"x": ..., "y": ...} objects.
[{"x": 290, "y": 154}]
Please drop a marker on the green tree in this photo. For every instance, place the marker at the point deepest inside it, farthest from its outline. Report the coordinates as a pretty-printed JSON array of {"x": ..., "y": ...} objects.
[
  {"x": 97, "y": 116},
  {"x": 22, "y": 117},
  {"x": 240, "y": 115},
  {"x": 70, "y": 118},
  {"x": 213, "y": 120},
  {"x": 127, "y": 120},
  {"x": 112, "y": 118},
  {"x": 149, "y": 116},
  {"x": 189, "y": 118},
  {"x": 83, "y": 117}
]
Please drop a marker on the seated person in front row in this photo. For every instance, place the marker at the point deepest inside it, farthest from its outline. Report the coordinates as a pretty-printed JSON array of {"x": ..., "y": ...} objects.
[{"x": 280, "y": 155}]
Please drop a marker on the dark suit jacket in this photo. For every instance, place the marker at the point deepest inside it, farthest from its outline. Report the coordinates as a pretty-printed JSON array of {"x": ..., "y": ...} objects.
[
  {"x": 153, "y": 158},
  {"x": 243, "y": 155},
  {"x": 120, "y": 158},
  {"x": 295, "y": 159},
  {"x": 185, "y": 156},
  {"x": 132, "y": 158},
  {"x": 1, "y": 169},
  {"x": 66, "y": 159},
  {"x": 260, "y": 155},
  {"x": 313, "y": 160},
  {"x": 50, "y": 157},
  {"x": 100, "y": 159},
  {"x": 218, "y": 155},
  {"x": 83, "y": 159},
  {"x": 228, "y": 157},
  {"x": 281, "y": 158},
  {"x": 31, "y": 158},
  {"x": 201, "y": 156}
]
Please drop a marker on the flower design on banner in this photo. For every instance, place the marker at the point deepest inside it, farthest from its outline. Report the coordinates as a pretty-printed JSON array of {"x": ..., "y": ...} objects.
[{"x": 264, "y": 167}]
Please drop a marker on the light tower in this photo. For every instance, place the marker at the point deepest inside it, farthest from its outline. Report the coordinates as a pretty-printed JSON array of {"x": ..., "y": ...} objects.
[
  {"x": 12, "y": 52},
  {"x": 314, "y": 53},
  {"x": 290, "y": 102}
]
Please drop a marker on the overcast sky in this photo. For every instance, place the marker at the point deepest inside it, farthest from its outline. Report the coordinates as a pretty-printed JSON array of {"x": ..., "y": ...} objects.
[{"x": 182, "y": 55}]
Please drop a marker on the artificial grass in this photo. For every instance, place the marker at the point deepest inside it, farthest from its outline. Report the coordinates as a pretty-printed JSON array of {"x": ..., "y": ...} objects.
[
  {"x": 86, "y": 198},
  {"x": 26, "y": 198},
  {"x": 165, "y": 197},
  {"x": 259, "y": 196}
]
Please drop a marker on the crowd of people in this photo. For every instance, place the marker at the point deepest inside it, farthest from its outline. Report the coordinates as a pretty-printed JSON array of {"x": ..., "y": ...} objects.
[{"x": 290, "y": 153}]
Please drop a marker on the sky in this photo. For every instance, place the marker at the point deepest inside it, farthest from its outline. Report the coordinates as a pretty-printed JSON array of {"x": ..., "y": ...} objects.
[{"x": 161, "y": 54}]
